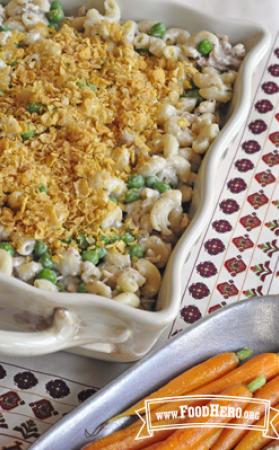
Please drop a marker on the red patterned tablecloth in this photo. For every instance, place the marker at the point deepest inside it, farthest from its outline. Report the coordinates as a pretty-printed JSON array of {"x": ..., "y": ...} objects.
[
  {"x": 237, "y": 258},
  {"x": 239, "y": 253},
  {"x": 31, "y": 401}
]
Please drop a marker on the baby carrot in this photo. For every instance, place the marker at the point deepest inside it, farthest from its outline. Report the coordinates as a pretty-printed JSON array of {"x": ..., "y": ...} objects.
[
  {"x": 266, "y": 364},
  {"x": 125, "y": 439},
  {"x": 230, "y": 437},
  {"x": 190, "y": 438},
  {"x": 255, "y": 440},
  {"x": 154, "y": 446},
  {"x": 273, "y": 445},
  {"x": 195, "y": 377},
  {"x": 207, "y": 444}
]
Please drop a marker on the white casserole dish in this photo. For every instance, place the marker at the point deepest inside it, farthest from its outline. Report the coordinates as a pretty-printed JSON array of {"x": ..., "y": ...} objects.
[{"x": 97, "y": 326}]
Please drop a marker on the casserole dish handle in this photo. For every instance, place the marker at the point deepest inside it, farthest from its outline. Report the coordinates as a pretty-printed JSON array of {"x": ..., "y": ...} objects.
[
  {"x": 62, "y": 329},
  {"x": 62, "y": 333}
]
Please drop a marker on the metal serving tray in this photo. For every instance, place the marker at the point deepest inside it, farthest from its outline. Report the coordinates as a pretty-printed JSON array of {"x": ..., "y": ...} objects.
[{"x": 253, "y": 323}]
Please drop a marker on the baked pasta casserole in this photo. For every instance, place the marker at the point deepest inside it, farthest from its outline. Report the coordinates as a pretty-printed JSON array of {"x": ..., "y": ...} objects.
[{"x": 103, "y": 127}]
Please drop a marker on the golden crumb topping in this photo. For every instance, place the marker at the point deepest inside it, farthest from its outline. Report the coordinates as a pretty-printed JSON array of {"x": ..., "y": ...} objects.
[{"x": 66, "y": 102}]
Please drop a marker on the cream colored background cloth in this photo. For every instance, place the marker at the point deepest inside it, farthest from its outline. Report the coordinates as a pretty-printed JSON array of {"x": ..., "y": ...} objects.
[{"x": 97, "y": 373}]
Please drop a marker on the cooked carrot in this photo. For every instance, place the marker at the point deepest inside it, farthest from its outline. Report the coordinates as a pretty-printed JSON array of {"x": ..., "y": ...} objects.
[
  {"x": 230, "y": 437},
  {"x": 125, "y": 439},
  {"x": 207, "y": 444},
  {"x": 154, "y": 446},
  {"x": 195, "y": 377},
  {"x": 254, "y": 440},
  {"x": 272, "y": 444},
  {"x": 190, "y": 438},
  {"x": 266, "y": 364}
]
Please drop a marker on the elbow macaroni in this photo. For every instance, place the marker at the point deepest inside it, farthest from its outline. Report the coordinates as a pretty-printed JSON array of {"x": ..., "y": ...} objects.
[
  {"x": 157, "y": 251},
  {"x": 26, "y": 247},
  {"x": 112, "y": 14},
  {"x": 128, "y": 298},
  {"x": 130, "y": 281},
  {"x": 69, "y": 263},
  {"x": 6, "y": 263},
  {"x": 45, "y": 285},
  {"x": 109, "y": 144},
  {"x": 205, "y": 132},
  {"x": 28, "y": 271},
  {"x": 213, "y": 85},
  {"x": 159, "y": 215},
  {"x": 152, "y": 277}
]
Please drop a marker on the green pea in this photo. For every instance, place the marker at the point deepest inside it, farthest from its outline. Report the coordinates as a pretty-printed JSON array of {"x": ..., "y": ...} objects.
[
  {"x": 132, "y": 196},
  {"x": 4, "y": 28},
  {"x": 46, "y": 261},
  {"x": 7, "y": 247},
  {"x": 192, "y": 93},
  {"x": 113, "y": 198},
  {"x": 42, "y": 188},
  {"x": 128, "y": 238},
  {"x": 101, "y": 252},
  {"x": 106, "y": 240},
  {"x": 205, "y": 47},
  {"x": 109, "y": 239},
  {"x": 55, "y": 25},
  {"x": 94, "y": 255},
  {"x": 82, "y": 242},
  {"x": 91, "y": 256},
  {"x": 136, "y": 251},
  {"x": 82, "y": 288},
  {"x": 92, "y": 86},
  {"x": 48, "y": 274},
  {"x": 135, "y": 181},
  {"x": 55, "y": 15},
  {"x": 67, "y": 240},
  {"x": 150, "y": 181},
  {"x": 56, "y": 5},
  {"x": 158, "y": 30},
  {"x": 161, "y": 186},
  {"x": 27, "y": 135},
  {"x": 34, "y": 108},
  {"x": 13, "y": 63},
  {"x": 40, "y": 248},
  {"x": 60, "y": 286},
  {"x": 81, "y": 84}
]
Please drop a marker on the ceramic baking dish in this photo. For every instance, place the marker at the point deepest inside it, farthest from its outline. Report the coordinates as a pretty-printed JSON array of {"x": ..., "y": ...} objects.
[
  {"x": 38, "y": 322},
  {"x": 253, "y": 323}
]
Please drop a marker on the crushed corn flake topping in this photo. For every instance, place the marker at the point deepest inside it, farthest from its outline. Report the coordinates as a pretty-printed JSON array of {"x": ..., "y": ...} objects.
[{"x": 90, "y": 91}]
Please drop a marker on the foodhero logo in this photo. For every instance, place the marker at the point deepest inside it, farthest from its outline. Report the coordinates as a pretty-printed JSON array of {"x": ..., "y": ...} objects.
[
  {"x": 209, "y": 411},
  {"x": 215, "y": 410}
]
